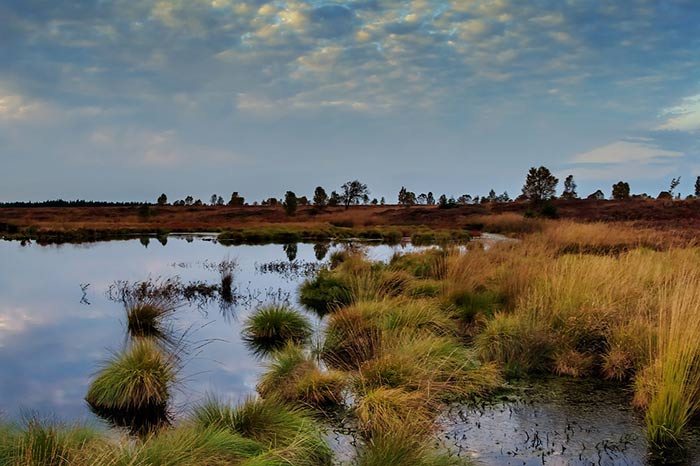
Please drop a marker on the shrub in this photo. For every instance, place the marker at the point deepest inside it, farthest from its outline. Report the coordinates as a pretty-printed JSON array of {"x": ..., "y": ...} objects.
[{"x": 270, "y": 328}]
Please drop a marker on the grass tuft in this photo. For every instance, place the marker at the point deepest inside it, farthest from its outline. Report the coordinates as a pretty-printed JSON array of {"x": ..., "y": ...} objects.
[{"x": 270, "y": 328}]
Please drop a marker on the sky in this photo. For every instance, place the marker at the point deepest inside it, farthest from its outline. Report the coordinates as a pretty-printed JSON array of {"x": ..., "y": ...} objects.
[{"x": 125, "y": 99}]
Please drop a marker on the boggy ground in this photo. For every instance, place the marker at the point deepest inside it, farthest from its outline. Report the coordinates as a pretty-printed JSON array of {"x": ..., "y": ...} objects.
[
  {"x": 405, "y": 339},
  {"x": 95, "y": 223},
  {"x": 573, "y": 300}
]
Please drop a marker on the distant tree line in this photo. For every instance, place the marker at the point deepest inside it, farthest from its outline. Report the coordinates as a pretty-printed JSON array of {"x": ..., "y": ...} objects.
[
  {"x": 539, "y": 188},
  {"x": 63, "y": 203}
]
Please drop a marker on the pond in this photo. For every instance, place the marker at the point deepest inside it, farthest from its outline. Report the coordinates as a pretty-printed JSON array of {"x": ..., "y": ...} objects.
[{"x": 57, "y": 323}]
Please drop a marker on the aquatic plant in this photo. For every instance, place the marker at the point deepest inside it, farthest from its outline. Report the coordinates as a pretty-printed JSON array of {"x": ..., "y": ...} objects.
[
  {"x": 133, "y": 388},
  {"x": 272, "y": 327}
]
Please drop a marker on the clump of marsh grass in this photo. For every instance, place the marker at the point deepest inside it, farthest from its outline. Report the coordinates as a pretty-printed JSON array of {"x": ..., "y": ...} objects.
[
  {"x": 133, "y": 388},
  {"x": 286, "y": 431},
  {"x": 226, "y": 269},
  {"x": 519, "y": 344},
  {"x": 437, "y": 365},
  {"x": 149, "y": 305},
  {"x": 397, "y": 426},
  {"x": 350, "y": 339},
  {"x": 192, "y": 445},
  {"x": 293, "y": 376},
  {"x": 45, "y": 443},
  {"x": 272, "y": 327},
  {"x": 324, "y": 293},
  {"x": 574, "y": 363},
  {"x": 674, "y": 385}
]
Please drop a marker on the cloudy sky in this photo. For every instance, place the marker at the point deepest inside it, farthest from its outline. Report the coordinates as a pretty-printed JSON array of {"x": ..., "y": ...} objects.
[{"x": 125, "y": 99}]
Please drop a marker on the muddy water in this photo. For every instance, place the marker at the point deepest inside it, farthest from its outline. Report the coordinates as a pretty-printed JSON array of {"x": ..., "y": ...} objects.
[{"x": 556, "y": 422}]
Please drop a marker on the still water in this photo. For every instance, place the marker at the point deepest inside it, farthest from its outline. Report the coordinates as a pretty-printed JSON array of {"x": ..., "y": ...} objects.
[{"x": 53, "y": 336}]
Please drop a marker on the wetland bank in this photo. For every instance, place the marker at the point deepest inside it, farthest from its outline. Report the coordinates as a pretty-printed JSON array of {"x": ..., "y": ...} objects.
[{"x": 576, "y": 344}]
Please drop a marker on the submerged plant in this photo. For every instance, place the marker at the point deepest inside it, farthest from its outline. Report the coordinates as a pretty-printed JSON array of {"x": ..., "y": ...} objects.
[
  {"x": 272, "y": 327},
  {"x": 133, "y": 388}
]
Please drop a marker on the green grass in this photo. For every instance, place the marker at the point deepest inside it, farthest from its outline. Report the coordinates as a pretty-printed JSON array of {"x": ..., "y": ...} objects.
[
  {"x": 271, "y": 328},
  {"x": 133, "y": 388}
]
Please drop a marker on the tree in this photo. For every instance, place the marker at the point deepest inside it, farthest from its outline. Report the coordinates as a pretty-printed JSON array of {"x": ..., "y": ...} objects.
[
  {"x": 219, "y": 200},
  {"x": 382, "y": 201},
  {"x": 406, "y": 197},
  {"x": 540, "y": 185},
  {"x": 213, "y": 199},
  {"x": 598, "y": 195},
  {"x": 621, "y": 190},
  {"x": 431, "y": 199},
  {"x": 320, "y": 197},
  {"x": 163, "y": 199},
  {"x": 422, "y": 199},
  {"x": 334, "y": 199},
  {"x": 290, "y": 203},
  {"x": 464, "y": 199},
  {"x": 353, "y": 192},
  {"x": 492, "y": 197},
  {"x": 674, "y": 184},
  {"x": 503, "y": 197},
  {"x": 189, "y": 200},
  {"x": 697, "y": 187},
  {"x": 569, "y": 188},
  {"x": 236, "y": 200}
]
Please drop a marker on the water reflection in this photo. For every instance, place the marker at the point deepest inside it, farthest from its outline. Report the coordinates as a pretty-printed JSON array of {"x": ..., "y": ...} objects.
[{"x": 57, "y": 322}]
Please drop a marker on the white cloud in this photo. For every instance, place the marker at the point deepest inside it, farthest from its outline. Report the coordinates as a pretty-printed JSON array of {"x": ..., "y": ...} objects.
[
  {"x": 17, "y": 108},
  {"x": 684, "y": 117},
  {"x": 622, "y": 152}
]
